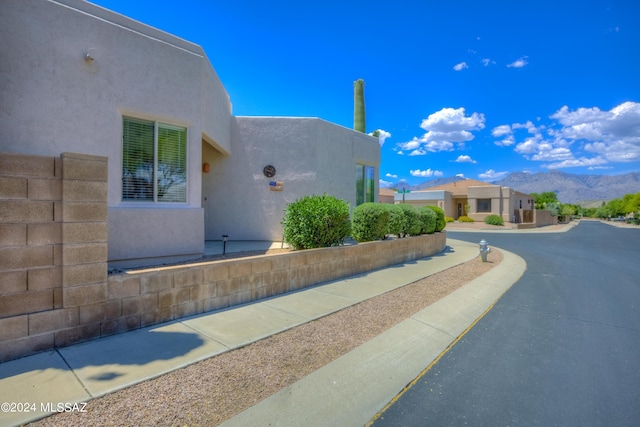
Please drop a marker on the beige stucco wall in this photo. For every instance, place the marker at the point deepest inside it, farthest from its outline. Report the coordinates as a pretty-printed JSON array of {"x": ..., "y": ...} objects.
[
  {"x": 311, "y": 156},
  {"x": 55, "y": 101}
]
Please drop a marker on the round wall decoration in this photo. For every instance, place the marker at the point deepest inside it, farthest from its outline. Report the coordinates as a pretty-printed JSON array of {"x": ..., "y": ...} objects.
[{"x": 269, "y": 171}]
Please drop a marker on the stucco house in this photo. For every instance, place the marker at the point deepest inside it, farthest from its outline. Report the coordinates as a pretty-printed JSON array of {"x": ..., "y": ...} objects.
[
  {"x": 182, "y": 169},
  {"x": 476, "y": 199}
]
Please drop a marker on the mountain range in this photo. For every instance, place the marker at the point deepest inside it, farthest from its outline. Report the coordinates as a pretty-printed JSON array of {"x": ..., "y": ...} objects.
[{"x": 570, "y": 188}]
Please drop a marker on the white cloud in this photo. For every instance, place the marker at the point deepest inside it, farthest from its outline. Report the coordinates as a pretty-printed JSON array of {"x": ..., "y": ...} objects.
[
  {"x": 460, "y": 175},
  {"x": 390, "y": 175},
  {"x": 384, "y": 184},
  {"x": 501, "y": 130},
  {"x": 585, "y": 137},
  {"x": 519, "y": 63},
  {"x": 492, "y": 174},
  {"x": 426, "y": 173},
  {"x": 446, "y": 130},
  {"x": 465, "y": 159},
  {"x": 486, "y": 62},
  {"x": 461, "y": 66},
  {"x": 382, "y": 135}
]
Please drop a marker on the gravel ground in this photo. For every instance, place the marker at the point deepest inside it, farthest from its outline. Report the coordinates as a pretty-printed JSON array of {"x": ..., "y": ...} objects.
[{"x": 214, "y": 390}]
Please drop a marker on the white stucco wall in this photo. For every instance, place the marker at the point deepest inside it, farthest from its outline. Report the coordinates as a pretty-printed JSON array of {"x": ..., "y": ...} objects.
[
  {"x": 55, "y": 101},
  {"x": 311, "y": 156}
]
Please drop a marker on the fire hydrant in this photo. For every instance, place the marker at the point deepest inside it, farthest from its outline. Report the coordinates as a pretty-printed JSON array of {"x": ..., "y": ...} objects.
[{"x": 484, "y": 250}]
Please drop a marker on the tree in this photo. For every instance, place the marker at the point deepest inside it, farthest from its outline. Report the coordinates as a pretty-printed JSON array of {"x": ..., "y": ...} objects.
[{"x": 544, "y": 198}]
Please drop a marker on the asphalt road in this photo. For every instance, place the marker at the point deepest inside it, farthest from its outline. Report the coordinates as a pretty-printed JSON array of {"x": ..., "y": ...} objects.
[{"x": 560, "y": 348}]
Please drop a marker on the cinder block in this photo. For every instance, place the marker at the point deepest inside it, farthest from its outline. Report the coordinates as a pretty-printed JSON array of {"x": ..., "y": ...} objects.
[
  {"x": 13, "y": 187},
  {"x": 186, "y": 309},
  {"x": 44, "y": 278},
  {"x": 84, "y": 295},
  {"x": 223, "y": 287},
  {"x": 44, "y": 233},
  {"x": 13, "y": 349},
  {"x": 13, "y": 234},
  {"x": 53, "y": 320},
  {"x": 155, "y": 282},
  {"x": 297, "y": 259},
  {"x": 188, "y": 277},
  {"x": 202, "y": 292},
  {"x": 74, "y": 275},
  {"x": 84, "y": 167},
  {"x": 216, "y": 303},
  {"x": 67, "y": 337},
  {"x": 260, "y": 265},
  {"x": 84, "y": 211},
  {"x": 281, "y": 262},
  {"x": 121, "y": 324},
  {"x": 22, "y": 211},
  {"x": 122, "y": 286},
  {"x": 84, "y": 232},
  {"x": 15, "y": 258},
  {"x": 100, "y": 312},
  {"x": 26, "y": 165},
  {"x": 239, "y": 268},
  {"x": 73, "y": 190},
  {"x": 139, "y": 304},
  {"x": 155, "y": 317},
  {"x": 84, "y": 253},
  {"x": 238, "y": 298},
  {"x": 25, "y": 302},
  {"x": 57, "y": 298},
  {"x": 44, "y": 189},
  {"x": 12, "y": 328},
  {"x": 12, "y": 282},
  {"x": 173, "y": 297},
  {"x": 215, "y": 272}
]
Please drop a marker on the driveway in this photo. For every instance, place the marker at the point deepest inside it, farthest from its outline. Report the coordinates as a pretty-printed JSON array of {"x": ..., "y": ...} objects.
[{"x": 562, "y": 346}]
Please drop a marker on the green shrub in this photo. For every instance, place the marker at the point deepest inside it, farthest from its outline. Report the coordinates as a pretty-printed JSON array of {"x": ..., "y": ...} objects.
[
  {"x": 429, "y": 220},
  {"x": 440, "y": 221},
  {"x": 316, "y": 222},
  {"x": 413, "y": 224},
  {"x": 465, "y": 218},
  {"x": 369, "y": 221},
  {"x": 396, "y": 220},
  {"x": 494, "y": 220},
  {"x": 449, "y": 219}
]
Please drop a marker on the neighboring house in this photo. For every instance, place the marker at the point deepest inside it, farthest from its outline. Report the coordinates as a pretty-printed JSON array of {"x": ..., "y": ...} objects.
[
  {"x": 78, "y": 78},
  {"x": 387, "y": 195},
  {"x": 476, "y": 199}
]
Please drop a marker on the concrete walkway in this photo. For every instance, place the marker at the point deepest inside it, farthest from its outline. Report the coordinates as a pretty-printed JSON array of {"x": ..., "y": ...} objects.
[{"x": 348, "y": 391}]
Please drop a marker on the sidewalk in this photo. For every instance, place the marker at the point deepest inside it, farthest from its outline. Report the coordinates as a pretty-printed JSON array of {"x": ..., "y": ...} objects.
[{"x": 368, "y": 377}]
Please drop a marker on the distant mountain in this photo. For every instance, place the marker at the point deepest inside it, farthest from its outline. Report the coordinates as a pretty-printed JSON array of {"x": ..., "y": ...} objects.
[
  {"x": 435, "y": 182},
  {"x": 572, "y": 188}
]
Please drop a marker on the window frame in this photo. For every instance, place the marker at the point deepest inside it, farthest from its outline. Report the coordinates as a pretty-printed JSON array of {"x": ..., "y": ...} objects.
[
  {"x": 181, "y": 142},
  {"x": 482, "y": 203},
  {"x": 365, "y": 183}
]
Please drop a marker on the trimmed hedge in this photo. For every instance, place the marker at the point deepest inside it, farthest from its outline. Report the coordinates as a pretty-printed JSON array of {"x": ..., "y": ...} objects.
[
  {"x": 316, "y": 222},
  {"x": 441, "y": 223},
  {"x": 413, "y": 223},
  {"x": 396, "y": 220},
  {"x": 428, "y": 219},
  {"x": 369, "y": 221},
  {"x": 494, "y": 220}
]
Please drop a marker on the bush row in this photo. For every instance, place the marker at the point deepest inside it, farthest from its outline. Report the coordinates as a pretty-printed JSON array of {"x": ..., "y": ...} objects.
[{"x": 322, "y": 221}]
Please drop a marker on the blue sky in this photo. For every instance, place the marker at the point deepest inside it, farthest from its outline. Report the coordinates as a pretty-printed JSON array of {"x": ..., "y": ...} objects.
[{"x": 477, "y": 89}]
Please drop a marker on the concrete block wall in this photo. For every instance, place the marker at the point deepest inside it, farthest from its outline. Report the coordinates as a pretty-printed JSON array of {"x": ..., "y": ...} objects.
[
  {"x": 161, "y": 294},
  {"x": 55, "y": 289},
  {"x": 53, "y": 240}
]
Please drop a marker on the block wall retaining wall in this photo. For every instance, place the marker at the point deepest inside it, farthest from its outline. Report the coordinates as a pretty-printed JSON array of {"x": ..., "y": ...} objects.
[{"x": 55, "y": 289}]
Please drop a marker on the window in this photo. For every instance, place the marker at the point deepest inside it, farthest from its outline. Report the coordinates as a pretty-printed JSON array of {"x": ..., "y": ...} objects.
[
  {"x": 365, "y": 184},
  {"x": 484, "y": 205},
  {"x": 154, "y": 161}
]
